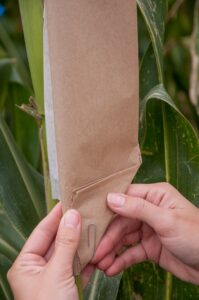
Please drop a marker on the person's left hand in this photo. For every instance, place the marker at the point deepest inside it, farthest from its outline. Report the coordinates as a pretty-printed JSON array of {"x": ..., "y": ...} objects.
[{"x": 44, "y": 268}]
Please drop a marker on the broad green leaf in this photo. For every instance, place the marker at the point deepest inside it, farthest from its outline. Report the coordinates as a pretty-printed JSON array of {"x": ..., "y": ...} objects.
[
  {"x": 10, "y": 245},
  {"x": 148, "y": 282},
  {"x": 14, "y": 54},
  {"x": 21, "y": 187},
  {"x": 8, "y": 72},
  {"x": 12, "y": 93},
  {"x": 10, "y": 241},
  {"x": 144, "y": 281},
  {"x": 154, "y": 12},
  {"x": 148, "y": 74},
  {"x": 102, "y": 287},
  {"x": 143, "y": 35},
  {"x": 23, "y": 126},
  {"x": 5, "y": 70},
  {"x": 181, "y": 146},
  {"x": 5, "y": 73},
  {"x": 184, "y": 290},
  {"x": 4, "y": 266},
  {"x": 2, "y": 296},
  {"x": 32, "y": 19}
]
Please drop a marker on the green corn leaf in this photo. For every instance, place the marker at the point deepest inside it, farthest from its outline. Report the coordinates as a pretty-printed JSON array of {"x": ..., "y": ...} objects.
[
  {"x": 154, "y": 12},
  {"x": 10, "y": 241},
  {"x": 14, "y": 55},
  {"x": 10, "y": 245},
  {"x": 2, "y": 296},
  {"x": 23, "y": 126},
  {"x": 8, "y": 72},
  {"x": 12, "y": 93},
  {"x": 181, "y": 146},
  {"x": 21, "y": 187},
  {"x": 102, "y": 287},
  {"x": 5, "y": 264},
  {"x": 32, "y": 19},
  {"x": 5, "y": 70},
  {"x": 5, "y": 73}
]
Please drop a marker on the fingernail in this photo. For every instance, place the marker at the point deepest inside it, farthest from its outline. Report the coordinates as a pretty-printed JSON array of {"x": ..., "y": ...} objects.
[
  {"x": 71, "y": 218},
  {"x": 116, "y": 200}
]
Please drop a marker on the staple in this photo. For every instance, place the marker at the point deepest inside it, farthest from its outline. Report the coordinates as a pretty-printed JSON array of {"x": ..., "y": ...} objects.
[
  {"x": 92, "y": 231},
  {"x": 77, "y": 265}
]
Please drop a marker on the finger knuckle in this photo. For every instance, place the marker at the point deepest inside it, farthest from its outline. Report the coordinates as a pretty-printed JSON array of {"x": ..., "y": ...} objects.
[
  {"x": 70, "y": 281},
  {"x": 139, "y": 205},
  {"x": 66, "y": 238},
  {"x": 68, "y": 272},
  {"x": 168, "y": 222},
  {"x": 124, "y": 263}
]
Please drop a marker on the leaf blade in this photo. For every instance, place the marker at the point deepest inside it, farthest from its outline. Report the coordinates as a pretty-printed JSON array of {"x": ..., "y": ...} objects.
[
  {"x": 21, "y": 187},
  {"x": 32, "y": 19}
]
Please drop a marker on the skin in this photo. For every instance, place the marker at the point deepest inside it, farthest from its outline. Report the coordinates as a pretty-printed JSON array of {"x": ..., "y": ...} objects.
[
  {"x": 44, "y": 268},
  {"x": 154, "y": 222}
]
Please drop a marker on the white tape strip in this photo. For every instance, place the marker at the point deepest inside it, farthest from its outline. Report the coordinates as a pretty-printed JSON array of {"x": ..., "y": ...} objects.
[{"x": 49, "y": 118}]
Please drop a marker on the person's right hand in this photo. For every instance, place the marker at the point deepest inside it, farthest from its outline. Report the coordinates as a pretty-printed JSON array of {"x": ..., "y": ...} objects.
[
  {"x": 44, "y": 268},
  {"x": 159, "y": 225}
]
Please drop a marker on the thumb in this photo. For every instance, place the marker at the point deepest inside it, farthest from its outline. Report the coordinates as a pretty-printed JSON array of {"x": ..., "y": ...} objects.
[
  {"x": 66, "y": 243},
  {"x": 138, "y": 208}
]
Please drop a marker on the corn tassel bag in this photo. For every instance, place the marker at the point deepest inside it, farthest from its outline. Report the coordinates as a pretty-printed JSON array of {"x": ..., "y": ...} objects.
[{"x": 91, "y": 105}]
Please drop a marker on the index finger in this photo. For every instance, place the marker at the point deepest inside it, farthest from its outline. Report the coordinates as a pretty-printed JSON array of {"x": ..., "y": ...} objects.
[
  {"x": 151, "y": 192},
  {"x": 161, "y": 194}
]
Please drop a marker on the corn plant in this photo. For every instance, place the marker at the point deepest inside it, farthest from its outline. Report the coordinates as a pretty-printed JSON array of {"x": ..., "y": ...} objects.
[{"x": 169, "y": 72}]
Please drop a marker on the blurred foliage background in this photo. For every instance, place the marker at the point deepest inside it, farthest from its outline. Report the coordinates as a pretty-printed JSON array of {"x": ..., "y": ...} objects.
[
  {"x": 15, "y": 82},
  {"x": 181, "y": 50},
  {"x": 181, "y": 78}
]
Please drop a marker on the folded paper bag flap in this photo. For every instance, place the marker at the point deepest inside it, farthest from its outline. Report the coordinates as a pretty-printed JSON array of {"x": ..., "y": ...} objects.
[
  {"x": 93, "y": 56},
  {"x": 90, "y": 201}
]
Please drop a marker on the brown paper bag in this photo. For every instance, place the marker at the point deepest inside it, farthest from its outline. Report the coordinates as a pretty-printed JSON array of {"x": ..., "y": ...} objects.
[{"x": 93, "y": 59}]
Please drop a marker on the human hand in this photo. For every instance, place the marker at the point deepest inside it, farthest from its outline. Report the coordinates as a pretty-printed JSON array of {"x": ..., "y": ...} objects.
[
  {"x": 159, "y": 225},
  {"x": 44, "y": 268}
]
